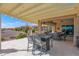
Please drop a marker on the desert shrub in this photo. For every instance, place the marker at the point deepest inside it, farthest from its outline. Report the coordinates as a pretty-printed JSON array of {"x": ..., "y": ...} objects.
[
  {"x": 33, "y": 30},
  {"x": 21, "y": 35},
  {"x": 26, "y": 31},
  {"x": 2, "y": 39},
  {"x": 18, "y": 29}
]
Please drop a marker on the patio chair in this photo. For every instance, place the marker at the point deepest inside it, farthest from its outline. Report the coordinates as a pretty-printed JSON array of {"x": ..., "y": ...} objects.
[
  {"x": 51, "y": 39},
  {"x": 30, "y": 42},
  {"x": 38, "y": 46},
  {"x": 56, "y": 36},
  {"x": 59, "y": 36},
  {"x": 62, "y": 36}
]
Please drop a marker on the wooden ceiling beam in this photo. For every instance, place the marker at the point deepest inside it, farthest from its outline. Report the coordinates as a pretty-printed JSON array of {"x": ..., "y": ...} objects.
[
  {"x": 18, "y": 5},
  {"x": 46, "y": 12},
  {"x": 25, "y": 11},
  {"x": 43, "y": 8},
  {"x": 33, "y": 6}
]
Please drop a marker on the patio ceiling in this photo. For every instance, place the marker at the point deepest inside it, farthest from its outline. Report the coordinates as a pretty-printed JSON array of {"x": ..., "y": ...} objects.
[{"x": 33, "y": 12}]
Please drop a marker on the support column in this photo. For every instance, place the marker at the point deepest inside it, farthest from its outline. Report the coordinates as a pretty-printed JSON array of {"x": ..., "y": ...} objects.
[
  {"x": 76, "y": 25},
  {"x": 0, "y": 31},
  {"x": 76, "y": 28},
  {"x": 39, "y": 25},
  {"x": 58, "y": 25},
  {"x": 53, "y": 28}
]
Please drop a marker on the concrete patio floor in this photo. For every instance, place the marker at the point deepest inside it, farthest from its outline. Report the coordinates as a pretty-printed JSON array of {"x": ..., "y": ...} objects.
[
  {"x": 19, "y": 48},
  {"x": 16, "y": 48},
  {"x": 64, "y": 48}
]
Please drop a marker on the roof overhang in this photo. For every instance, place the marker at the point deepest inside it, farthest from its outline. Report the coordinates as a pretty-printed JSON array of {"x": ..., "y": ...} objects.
[{"x": 32, "y": 12}]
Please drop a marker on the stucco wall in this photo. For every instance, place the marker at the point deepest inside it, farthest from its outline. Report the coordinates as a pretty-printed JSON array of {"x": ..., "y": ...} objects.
[
  {"x": 61, "y": 22},
  {"x": 68, "y": 22}
]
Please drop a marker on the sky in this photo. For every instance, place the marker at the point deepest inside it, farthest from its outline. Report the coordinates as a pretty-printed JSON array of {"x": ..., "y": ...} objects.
[{"x": 11, "y": 22}]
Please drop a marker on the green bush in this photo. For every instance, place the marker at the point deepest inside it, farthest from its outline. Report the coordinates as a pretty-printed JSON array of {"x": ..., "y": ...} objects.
[
  {"x": 33, "y": 30},
  {"x": 18, "y": 29},
  {"x": 26, "y": 31},
  {"x": 21, "y": 35},
  {"x": 23, "y": 30}
]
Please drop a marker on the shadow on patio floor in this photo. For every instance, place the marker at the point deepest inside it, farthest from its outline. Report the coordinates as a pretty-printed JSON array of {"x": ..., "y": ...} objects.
[{"x": 7, "y": 51}]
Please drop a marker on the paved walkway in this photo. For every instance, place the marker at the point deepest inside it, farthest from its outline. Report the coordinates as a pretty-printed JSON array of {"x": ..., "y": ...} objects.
[{"x": 18, "y": 48}]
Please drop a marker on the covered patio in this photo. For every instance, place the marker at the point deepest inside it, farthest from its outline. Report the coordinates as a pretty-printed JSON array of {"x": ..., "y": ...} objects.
[{"x": 43, "y": 14}]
